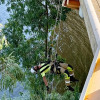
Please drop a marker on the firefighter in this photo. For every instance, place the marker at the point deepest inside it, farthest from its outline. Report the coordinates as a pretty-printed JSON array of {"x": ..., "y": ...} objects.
[{"x": 58, "y": 68}]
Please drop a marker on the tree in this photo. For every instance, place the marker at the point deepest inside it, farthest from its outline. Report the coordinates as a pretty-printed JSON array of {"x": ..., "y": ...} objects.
[
  {"x": 10, "y": 73},
  {"x": 36, "y": 17}
]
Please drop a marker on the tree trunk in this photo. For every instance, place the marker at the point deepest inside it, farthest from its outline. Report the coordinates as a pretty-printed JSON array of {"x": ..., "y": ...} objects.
[
  {"x": 46, "y": 40},
  {"x": 46, "y": 48}
]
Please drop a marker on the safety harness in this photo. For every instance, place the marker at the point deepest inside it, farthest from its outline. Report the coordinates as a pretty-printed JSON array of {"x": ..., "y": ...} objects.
[{"x": 55, "y": 65}]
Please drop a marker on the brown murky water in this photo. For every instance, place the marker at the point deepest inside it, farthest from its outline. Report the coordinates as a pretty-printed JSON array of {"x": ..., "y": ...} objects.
[{"x": 74, "y": 45}]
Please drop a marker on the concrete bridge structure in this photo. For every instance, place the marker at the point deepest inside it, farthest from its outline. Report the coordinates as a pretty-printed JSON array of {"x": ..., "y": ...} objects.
[{"x": 91, "y": 14}]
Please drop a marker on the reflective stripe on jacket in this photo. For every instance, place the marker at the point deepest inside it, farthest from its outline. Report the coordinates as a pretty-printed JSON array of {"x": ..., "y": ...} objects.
[{"x": 44, "y": 69}]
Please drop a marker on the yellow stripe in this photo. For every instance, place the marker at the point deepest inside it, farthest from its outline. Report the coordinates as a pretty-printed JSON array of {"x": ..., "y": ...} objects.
[
  {"x": 66, "y": 76},
  {"x": 43, "y": 67},
  {"x": 45, "y": 71},
  {"x": 69, "y": 69}
]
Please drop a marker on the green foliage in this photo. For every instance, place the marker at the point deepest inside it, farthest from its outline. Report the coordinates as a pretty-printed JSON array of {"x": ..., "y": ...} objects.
[
  {"x": 2, "y": 1},
  {"x": 10, "y": 73},
  {"x": 32, "y": 17},
  {"x": 59, "y": 58},
  {"x": 13, "y": 32},
  {"x": 53, "y": 96},
  {"x": 68, "y": 95},
  {"x": 35, "y": 18}
]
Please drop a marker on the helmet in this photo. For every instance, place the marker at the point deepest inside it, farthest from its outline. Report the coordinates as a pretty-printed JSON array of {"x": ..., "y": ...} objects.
[{"x": 32, "y": 70}]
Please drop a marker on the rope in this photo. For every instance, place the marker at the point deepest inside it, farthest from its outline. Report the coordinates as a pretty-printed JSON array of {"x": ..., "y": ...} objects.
[
  {"x": 55, "y": 23},
  {"x": 55, "y": 26},
  {"x": 59, "y": 10},
  {"x": 54, "y": 33}
]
